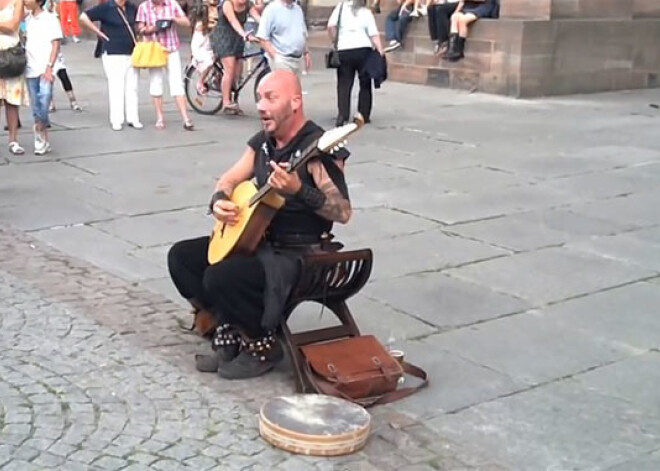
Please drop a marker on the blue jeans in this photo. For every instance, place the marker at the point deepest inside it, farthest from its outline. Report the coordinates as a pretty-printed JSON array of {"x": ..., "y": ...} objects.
[
  {"x": 41, "y": 92},
  {"x": 396, "y": 24}
]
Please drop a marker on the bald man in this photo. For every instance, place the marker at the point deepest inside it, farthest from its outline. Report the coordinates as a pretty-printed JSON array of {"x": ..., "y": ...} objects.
[{"x": 245, "y": 295}]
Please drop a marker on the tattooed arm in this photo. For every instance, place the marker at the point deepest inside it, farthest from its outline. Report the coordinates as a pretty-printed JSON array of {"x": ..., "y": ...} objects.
[{"x": 330, "y": 197}]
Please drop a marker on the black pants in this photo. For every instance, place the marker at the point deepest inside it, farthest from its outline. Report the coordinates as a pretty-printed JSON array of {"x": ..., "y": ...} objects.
[
  {"x": 233, "y": 289},
  {"x": 352, "y": 62},
  {"x": 440, "y": 20},
  {"x": 64, "y": 78}
]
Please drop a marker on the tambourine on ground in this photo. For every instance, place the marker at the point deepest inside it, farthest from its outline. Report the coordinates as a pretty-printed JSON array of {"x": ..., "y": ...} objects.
[{"x": 314, "y": 424}]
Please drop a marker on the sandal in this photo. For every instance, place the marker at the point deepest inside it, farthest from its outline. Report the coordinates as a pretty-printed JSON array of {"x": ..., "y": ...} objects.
[
  {"x": 232, "y": 108},
  {"x": 75, "y": 106},
  {"x": 160, "y": 124},
  {"x": 15, "y": 148}
]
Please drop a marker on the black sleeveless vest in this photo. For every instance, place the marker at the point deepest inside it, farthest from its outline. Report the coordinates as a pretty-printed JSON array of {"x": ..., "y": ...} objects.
[{"x": 294, "y": 218}]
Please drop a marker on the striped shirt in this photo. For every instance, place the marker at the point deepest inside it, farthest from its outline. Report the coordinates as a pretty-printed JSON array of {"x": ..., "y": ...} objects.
[{"x": 148, "y": 14}]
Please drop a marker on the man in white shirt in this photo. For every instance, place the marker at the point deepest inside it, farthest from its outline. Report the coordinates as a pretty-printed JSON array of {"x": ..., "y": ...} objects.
[
  {"x": 283, "y": 35},
  {"x": 43, "y": 36}
]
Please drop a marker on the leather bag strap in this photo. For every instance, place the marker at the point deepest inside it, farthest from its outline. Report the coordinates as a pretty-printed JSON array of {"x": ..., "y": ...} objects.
[
  {"x": 128, "y": 27},
  {"x": 336, "y": 41},
  {"x": 325, "y": 387}
]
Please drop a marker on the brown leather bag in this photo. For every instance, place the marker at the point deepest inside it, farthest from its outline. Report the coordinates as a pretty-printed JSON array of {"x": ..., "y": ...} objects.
[{"x": 358, "y": 369}]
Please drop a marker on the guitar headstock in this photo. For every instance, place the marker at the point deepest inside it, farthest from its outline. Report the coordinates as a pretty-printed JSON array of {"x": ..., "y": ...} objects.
[{"x": 335, "y": 138}]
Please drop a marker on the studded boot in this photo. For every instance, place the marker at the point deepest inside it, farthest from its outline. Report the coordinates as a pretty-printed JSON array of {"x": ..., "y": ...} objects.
[
  {"x": 225, "y": 345},
  {"x": 256, "y": 357}
]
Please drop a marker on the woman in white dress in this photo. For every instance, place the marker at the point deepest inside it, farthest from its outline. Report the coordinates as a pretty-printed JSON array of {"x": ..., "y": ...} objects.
[{"x": 13, "y": 92}]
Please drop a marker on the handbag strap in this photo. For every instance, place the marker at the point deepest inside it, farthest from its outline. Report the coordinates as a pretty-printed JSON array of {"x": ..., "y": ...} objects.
[
  {"x": 336, "y": 41},
  {"x": 130, "y": 30},
  {"x": 325, "y": 387}
]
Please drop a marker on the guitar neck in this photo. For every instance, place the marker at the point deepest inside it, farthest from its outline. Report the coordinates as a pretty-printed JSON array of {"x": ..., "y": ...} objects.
[{"x": 310, "y": 152}]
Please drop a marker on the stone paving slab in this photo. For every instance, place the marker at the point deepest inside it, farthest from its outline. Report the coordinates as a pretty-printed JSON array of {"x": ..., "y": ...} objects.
[
  {"x": 443, "y": 301},
  {"x": 430, "y": 250},
  {"x": 554, "y": 274},
  {"x": 533, "y": 348},
  {"x": 105, "y": 250},
  {"x": 593, "y": 430},
  {"x": 627, "y": 316},
  {"x": 626, "y": 248},
  {"x": 537, "y": 229}
]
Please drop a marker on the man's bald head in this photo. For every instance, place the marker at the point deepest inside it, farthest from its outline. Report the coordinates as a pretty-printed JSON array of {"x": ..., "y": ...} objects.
[
  {"x": 282, "y": 80},
  {"x": 280, "y": 102}
]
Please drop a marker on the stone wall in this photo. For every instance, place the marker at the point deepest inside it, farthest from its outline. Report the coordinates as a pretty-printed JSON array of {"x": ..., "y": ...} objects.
[{"x": 543, "y": 47}]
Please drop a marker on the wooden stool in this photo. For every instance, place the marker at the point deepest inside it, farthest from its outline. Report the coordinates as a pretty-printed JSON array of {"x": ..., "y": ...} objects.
[{"x": 328, "y": 278}]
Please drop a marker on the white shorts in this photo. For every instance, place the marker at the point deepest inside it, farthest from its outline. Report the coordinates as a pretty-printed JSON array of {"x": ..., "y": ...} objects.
[{"x": 174, "y": 75}]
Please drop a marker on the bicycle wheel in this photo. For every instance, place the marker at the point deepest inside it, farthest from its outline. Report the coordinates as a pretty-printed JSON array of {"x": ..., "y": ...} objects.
[
  {"x": 262, "y": 73},
  {"x": 209, "y": 101}
]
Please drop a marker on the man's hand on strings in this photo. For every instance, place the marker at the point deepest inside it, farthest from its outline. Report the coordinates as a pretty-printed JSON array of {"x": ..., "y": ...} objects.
[
  {"x": 283, "y": 181},
  {"x": 225, "y": 211}
]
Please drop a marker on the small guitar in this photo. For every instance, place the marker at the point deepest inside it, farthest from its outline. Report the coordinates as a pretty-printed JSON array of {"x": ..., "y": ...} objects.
[{"x": 257, "y": 207}]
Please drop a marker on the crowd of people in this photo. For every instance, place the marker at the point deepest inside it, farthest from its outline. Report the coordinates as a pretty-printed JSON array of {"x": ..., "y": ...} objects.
[
  {"x": 448, "y": 23},
  {"x": 221, "y": 30}
]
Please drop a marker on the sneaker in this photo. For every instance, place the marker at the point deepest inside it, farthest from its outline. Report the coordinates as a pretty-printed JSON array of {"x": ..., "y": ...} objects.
[
  {"x": 423, "y": 10},
  {"x": 40, "y": 148},
  {"x": 76, "y": 39},
  {"x": 116, "y": 127},
  {"x": 415, "y": 14},
  {"x": 39, "y": 142},
  {"x": 136, "y": 125},
  {"x": 75, "y": 106},
  {"x": 393, "y": 46}
]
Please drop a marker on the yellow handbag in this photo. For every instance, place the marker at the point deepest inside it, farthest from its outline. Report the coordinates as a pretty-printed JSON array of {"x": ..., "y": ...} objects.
[{"x": 148, "y": 54}]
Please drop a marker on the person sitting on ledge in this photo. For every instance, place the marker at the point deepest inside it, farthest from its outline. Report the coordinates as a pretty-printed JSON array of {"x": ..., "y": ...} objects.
[
  {"x": 246, "y": 293},
  {"x": 396, "y": 24},
  {"x": 466, "y": 13}
]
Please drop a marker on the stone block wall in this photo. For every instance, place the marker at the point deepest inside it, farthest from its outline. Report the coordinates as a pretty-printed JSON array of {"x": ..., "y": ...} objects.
[{"x": 543, "y": 47}]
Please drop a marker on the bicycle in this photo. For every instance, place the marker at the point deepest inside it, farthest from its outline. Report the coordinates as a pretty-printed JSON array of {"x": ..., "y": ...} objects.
[{"x": 210, "y": 102}]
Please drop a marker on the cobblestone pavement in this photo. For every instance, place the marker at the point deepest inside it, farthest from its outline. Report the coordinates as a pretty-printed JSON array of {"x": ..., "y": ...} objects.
[{"x": 94, "y": 376}]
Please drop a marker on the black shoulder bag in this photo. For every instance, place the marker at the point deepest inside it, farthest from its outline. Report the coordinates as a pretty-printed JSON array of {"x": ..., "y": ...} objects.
[
  {"x": 13, "y": 61},
  {"x": 332, "y": 57}
]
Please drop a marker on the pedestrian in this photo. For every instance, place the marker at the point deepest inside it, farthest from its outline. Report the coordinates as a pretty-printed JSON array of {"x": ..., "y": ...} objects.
[
  {"x": 13, "y": 92},
  {"x": 116, "y": 47},
  {"x": 43, "y": 36},
  {"x": 283, "y": 35},
  {"x": 228, "y": 41},
  {"x": 439, "y": 14},
  {"x": 156, "y": 19},
  {"x": 200, "y": 45},
  {"x": 466, "y": 13},
  {"x": 69, "y": 19},
  {"x": 396, "y": 24},
  {"x": 357, "y": 36},
  {"x": 62, "y": 74}
]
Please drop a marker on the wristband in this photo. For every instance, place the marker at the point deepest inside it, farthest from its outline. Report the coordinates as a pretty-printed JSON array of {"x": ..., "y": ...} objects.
[
  {"x": 217, "y": 196},
  {"x": 312, "y": 197}
]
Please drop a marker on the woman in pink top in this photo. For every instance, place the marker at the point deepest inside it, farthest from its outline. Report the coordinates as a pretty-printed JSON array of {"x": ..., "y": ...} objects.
[{"x": 155, "y": 20}]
